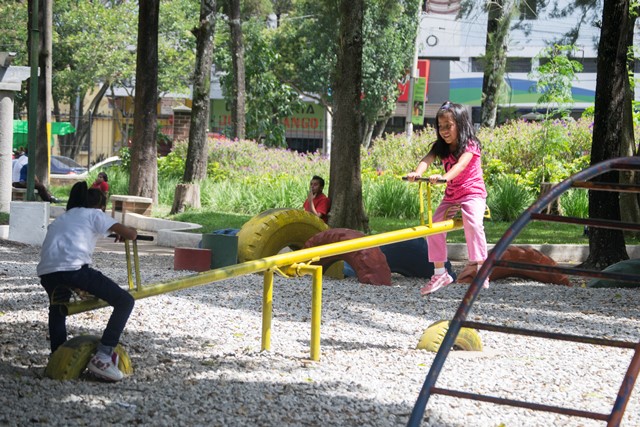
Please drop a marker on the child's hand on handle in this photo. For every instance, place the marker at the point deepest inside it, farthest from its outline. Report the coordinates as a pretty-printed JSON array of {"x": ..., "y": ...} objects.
[
  {"x": 437, "y": 178},
  {"x": 123, "y": 232},
  {"x": 412, "y": 176}
]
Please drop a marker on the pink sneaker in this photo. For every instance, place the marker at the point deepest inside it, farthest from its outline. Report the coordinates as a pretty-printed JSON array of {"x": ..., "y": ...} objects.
[
  {"x": 485, "y": 285},
  {"x": 437, "y": 281}
]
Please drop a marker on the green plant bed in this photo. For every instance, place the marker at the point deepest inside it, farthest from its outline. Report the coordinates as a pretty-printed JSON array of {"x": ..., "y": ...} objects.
[{"x": 535, "y": 232}]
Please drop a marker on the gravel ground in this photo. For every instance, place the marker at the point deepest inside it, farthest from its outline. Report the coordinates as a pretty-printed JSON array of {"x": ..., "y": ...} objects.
[{"x": 197, "y": 360}]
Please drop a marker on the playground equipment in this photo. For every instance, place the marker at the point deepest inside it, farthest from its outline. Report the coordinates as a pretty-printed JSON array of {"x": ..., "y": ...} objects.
[
  {"x": 296, "y": 263},
  {"x": 581, "y": 180}
]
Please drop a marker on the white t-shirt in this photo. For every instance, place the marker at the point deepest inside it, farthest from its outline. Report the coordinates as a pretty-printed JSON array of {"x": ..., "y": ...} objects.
[
  {"x": 71, "y": 239},
  {"x": 17, "y": 166}
]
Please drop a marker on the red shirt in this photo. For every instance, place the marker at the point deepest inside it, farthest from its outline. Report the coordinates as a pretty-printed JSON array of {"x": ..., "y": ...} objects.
[
  {"x": 469, "y": 182},
  {"x": 103, "y": 186},
  {"x": 322, "y": 205}
]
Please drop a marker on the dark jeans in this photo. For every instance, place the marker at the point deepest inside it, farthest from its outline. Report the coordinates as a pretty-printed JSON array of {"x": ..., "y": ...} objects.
[{"x": 96, "y": 283}]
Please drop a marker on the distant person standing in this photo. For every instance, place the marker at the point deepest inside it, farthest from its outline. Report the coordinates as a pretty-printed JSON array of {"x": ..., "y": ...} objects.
[
  {"x": 317, "y": 202},
  {"x": 101, "y": 182}
]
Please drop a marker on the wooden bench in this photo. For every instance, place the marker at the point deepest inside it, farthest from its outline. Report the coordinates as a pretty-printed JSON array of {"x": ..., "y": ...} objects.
[
  {"x": 19, "y": 194},
  {"x": 133, "y": 204}
]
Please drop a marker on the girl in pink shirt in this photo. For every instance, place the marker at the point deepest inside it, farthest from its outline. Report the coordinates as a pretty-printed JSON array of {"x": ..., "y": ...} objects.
[{"x": 459, "y": 150}]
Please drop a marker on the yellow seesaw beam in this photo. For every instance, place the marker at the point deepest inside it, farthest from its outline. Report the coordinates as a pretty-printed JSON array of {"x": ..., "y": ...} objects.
[
  {"x": 280, "y": 260},
  {"x": 290, "y": 263}
]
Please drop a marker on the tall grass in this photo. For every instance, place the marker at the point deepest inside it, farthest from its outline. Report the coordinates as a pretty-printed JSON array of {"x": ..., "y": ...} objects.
[
  {"x": 575, "y": 203},
  {"x": 507, "y": 198}
]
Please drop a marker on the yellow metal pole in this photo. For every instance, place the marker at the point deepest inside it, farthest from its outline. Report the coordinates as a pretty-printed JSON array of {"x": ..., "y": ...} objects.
[
  {"x": 421, "y": 196},
  {"x": 136, "y": 263},
  {"x": 127, "y": 253},
  {"x": 316, "y": 302},
  {"x": 316, "y": 311},
  {"x": 279, "y": 260},
  {"x": 267, "y": 310},
  {"x": 429, "y": 204}
]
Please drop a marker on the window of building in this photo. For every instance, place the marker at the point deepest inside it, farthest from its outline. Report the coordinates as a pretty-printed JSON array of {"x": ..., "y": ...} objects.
[
  {"x": 514, "y": 65},
  {"x": 518, "y": 65}
]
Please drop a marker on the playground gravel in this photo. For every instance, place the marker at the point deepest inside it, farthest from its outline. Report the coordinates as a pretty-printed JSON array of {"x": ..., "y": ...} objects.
[{"x": 197, "y": 360}]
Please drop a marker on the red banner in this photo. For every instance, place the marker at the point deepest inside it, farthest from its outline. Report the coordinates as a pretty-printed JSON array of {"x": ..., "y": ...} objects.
[{"x": 403, "y": 85}]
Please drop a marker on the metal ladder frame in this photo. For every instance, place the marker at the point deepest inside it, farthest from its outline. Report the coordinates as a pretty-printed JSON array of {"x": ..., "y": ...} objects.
[{"x": 579, "y": 180}]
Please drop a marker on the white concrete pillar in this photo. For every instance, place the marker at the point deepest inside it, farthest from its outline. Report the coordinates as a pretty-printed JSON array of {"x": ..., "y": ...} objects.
[
  {"x": 28, "y": 222},
  {"x": 6, "y": 148}
]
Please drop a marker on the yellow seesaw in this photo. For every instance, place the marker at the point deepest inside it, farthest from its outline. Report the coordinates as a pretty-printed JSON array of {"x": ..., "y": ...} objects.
[{"x": 290, "y": 264}]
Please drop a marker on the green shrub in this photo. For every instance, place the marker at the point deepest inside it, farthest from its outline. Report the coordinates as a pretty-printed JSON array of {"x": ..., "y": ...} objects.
[
  {"x": 388, "y": 196},
  {"x": 575, "y": 203},
  {"x": 507, "y": 198}
]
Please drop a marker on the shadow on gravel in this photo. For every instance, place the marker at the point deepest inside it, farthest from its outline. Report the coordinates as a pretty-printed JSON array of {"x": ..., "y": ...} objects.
[{"x": 169, "y": 386}]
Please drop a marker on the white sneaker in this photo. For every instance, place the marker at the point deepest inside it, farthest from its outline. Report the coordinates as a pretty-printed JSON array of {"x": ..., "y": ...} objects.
[
  {"x": 105, "y": 367},
  {"x": 437, "y": 281}
]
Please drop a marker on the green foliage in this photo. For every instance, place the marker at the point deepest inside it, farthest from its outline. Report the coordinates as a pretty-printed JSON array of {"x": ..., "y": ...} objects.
[
  {"x": 508, "y": 198},
  {"x": 172, "y": 166},
  {"x": 538, "y": 152},
  {"x": 575, "y": 203},
  {"x": 394, "y": 154},
  {"x": 555, "y": 77},
  {"x": 307, "y": 41},
  {"x": 268, "y": 99},
  {"x": 389, "y": 196}
]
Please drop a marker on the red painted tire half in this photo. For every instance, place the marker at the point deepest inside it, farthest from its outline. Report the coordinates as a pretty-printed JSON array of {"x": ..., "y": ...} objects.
[{"x": 370, "y": 264}]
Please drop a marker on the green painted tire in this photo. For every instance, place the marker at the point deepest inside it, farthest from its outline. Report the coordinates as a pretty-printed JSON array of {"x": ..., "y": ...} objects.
[
  {"x": 70, "y": 360},
  {"x": 269, "y": 232},
  {"x": 468, "y": 339}
]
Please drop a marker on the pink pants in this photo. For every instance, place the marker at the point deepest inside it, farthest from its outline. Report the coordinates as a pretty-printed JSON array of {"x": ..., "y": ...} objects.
[{"x": 473, "y": 222}]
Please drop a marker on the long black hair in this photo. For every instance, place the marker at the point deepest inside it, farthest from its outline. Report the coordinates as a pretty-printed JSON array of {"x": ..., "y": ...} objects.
[
  {"x": 466, "y": 132},
  {"x": 81, "y": 196},
  {"x": 78, "y": 196}
]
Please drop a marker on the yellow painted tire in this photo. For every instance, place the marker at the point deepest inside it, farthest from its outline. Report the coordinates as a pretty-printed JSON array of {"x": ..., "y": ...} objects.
[
  {"x": 468, "y": 339},
  {"x": 70, "y": 360},
  {"x": 269, "y": 232}
]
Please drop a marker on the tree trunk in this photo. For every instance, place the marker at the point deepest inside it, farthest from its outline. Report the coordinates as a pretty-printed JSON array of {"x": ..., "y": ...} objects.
[
  {"x": 237, "y": 56},
  {"x": 380, "y": 126},
  {"x": 42, "y": 153},
  {"x": 630, "y": 202},
  {"x": 367, "y": 132},
  {"x": 612, "y": 125},
  {"x": 197, "y": 153},
  {"x": 498, "y": 21},
  {"x": 347, "y": 208},
  {"x": 186, "y": 195},
  {"x": 144, "y": 163}
]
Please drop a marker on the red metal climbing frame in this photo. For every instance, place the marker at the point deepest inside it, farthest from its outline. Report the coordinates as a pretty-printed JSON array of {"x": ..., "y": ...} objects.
[{"x": 583, "y": 180}]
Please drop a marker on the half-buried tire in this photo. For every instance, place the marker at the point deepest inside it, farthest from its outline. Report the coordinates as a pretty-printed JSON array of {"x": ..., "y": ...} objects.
[
  {"x": 468, "y": 339},
  {"x": 269, "y": 232},
  {"x": 370, "y": 264},
  {"x": 71, "y": 358}
]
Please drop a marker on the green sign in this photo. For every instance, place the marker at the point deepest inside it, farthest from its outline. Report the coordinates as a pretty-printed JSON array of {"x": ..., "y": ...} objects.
[{"x": 419, "y": 98}]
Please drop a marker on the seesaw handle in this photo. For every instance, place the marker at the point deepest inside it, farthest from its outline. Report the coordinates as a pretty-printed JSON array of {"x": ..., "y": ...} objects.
[
  {"x": 140, "y": 237},
  {"x": 423, "y": 179}
]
